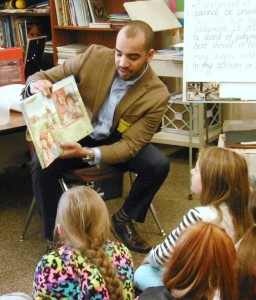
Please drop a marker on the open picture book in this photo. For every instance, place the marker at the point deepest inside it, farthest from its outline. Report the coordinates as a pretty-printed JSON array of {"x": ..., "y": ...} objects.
[{"x": 63, "y": 117}]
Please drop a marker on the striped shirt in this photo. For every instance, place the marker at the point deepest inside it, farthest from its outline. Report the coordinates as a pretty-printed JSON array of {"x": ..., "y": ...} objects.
[{"x": 161, "y": 253}]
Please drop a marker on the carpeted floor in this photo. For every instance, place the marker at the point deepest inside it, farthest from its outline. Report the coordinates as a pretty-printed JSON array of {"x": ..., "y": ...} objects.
[{"x": 18, "y": 259}]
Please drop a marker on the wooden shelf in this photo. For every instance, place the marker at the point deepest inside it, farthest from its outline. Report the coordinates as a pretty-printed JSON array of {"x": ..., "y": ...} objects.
[
  {"x": 23, "y": 14},
  {"x": 64, "y": 35},
  {"x": 84, "y": 28}
]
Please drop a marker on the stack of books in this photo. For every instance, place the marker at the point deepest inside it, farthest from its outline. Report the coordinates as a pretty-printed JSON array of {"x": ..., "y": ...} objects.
[
  {"x": 175, "y": 52},
  {"x": 118, "y": 20},
  {"x": 68, "y": 51},
  {"x": 100, "y": 25},
  {"x": 48, "y": 47},
  {"x": 169, "y": 54}
]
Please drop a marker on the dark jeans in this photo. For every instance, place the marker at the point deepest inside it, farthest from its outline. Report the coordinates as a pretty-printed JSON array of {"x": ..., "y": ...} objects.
[{"x": 150, "y": 164}]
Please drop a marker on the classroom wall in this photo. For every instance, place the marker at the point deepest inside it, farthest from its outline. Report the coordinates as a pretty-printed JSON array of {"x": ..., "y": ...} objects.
[{"x": 243, "y": 111}]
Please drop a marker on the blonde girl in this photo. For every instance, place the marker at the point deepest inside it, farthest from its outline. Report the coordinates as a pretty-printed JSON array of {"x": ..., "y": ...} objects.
[{"x": 89, "y": 265}]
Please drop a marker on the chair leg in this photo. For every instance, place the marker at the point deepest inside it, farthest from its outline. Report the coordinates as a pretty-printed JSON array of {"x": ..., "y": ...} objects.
[
  {"x": 32, "y": 208},
  {"x": 63, "y": 185},
  {"x": 152, "y": 209},
  {"x": 28, "y": 219}
]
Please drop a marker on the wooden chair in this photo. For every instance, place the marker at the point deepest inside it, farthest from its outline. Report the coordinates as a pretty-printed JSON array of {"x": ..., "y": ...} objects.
[{"x": 89, "y": 176}]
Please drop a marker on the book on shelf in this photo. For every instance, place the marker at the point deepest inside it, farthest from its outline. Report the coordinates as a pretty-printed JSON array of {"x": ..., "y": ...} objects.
[
  {"x": 97, "y": 11},
  {"x": 63, "y": 54},
  {"x": 118, "y": 20},
  {"x": 39, "y": 4},
  {"x": 50, "y": 121},
  {"x": 72, "y": 13},
  {"x": 178, "y": 46},
  {"x": 68, "y": 51},
  {"x": 48, "y": 47},
  {"x": 169, "y": 54},
  {"x": 81, "y": 12},
  {"x": 119, "y": 16},
  {"x": 59, "y": 12},
  {"x": 73, "y": 48},
  {"x": 23, "y": 33},
  {"x": 100, "y": 25}
]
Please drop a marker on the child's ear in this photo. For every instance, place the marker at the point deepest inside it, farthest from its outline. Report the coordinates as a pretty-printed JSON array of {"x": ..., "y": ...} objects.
[{"x": 59, "y": 230}]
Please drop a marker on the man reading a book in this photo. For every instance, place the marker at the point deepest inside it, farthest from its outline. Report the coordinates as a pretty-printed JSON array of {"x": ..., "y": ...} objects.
[{"x": 125, "y": 101}]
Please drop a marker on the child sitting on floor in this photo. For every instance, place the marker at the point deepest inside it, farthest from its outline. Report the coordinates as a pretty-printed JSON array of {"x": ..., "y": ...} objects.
[
  {"x": 203, "y": 262},
  {"x": 89, "y": 265},
  {"x": 221, "y": 180}
]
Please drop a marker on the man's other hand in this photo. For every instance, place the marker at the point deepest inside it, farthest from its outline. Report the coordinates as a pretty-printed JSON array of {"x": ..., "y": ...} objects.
[{"x": 44, "y": 86}]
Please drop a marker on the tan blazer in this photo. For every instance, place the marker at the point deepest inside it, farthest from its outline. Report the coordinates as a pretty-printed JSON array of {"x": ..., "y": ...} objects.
[{"x": 141, "y": 108}]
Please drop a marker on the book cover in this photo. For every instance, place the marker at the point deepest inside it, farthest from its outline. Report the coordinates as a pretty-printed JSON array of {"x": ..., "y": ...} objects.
[
  {"x": 97, "y": 11},
  {"x": 63, "y": 117}
]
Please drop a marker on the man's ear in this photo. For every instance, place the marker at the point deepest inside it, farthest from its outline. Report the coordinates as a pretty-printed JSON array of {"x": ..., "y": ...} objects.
[{"x": 150, "y": 55}]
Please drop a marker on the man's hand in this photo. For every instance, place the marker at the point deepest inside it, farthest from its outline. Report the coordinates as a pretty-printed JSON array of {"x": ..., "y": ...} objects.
[
  {"x": 72, "y": 149},
  {"x": 44, "y": 86}
]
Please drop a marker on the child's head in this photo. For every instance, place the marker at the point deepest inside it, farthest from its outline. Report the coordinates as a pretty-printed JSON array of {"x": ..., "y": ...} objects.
[
  {"x": 223, "y": 175},
  {"x": 69, "y": 100},
  {"x": 34, "y": 31},
  {"x": 246, "y": 258},
  {"x": 82, "y": 218},
  {"x": 202, "y": 262}
]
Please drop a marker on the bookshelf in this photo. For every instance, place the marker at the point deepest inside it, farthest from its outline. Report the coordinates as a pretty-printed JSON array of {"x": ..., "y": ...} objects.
[
  {"x": 64, "y": 35},
  {"x": 8, "y": 21},
  {"x": 17, "y": 26}
]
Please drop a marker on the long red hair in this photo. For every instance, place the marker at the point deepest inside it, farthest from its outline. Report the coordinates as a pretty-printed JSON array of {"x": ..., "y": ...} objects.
[{"x": 202, "y": 262}]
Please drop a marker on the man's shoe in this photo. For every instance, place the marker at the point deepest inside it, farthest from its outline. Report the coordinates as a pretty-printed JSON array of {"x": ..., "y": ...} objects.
[{"x": 129, "y": 237}]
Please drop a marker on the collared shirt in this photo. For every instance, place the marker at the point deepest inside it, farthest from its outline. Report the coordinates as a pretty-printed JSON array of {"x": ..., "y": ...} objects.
[{"x": 102, "y": 125}]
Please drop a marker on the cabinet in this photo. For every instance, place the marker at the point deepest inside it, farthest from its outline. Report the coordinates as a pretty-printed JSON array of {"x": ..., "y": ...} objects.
[
  {"x": 64, "y": 35},
  {"x": 200, "y": 122}
]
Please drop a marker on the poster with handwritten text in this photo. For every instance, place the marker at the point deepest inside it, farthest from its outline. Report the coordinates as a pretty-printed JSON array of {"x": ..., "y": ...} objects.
[{"x": 220, "y": 41}]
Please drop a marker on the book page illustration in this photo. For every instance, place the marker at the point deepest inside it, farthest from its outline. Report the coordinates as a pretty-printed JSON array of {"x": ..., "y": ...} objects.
[{"x": 63, "y": 117}]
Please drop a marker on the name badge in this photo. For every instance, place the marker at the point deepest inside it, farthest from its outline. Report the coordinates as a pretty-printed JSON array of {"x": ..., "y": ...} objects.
[{"x": 123, "y": 126}]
